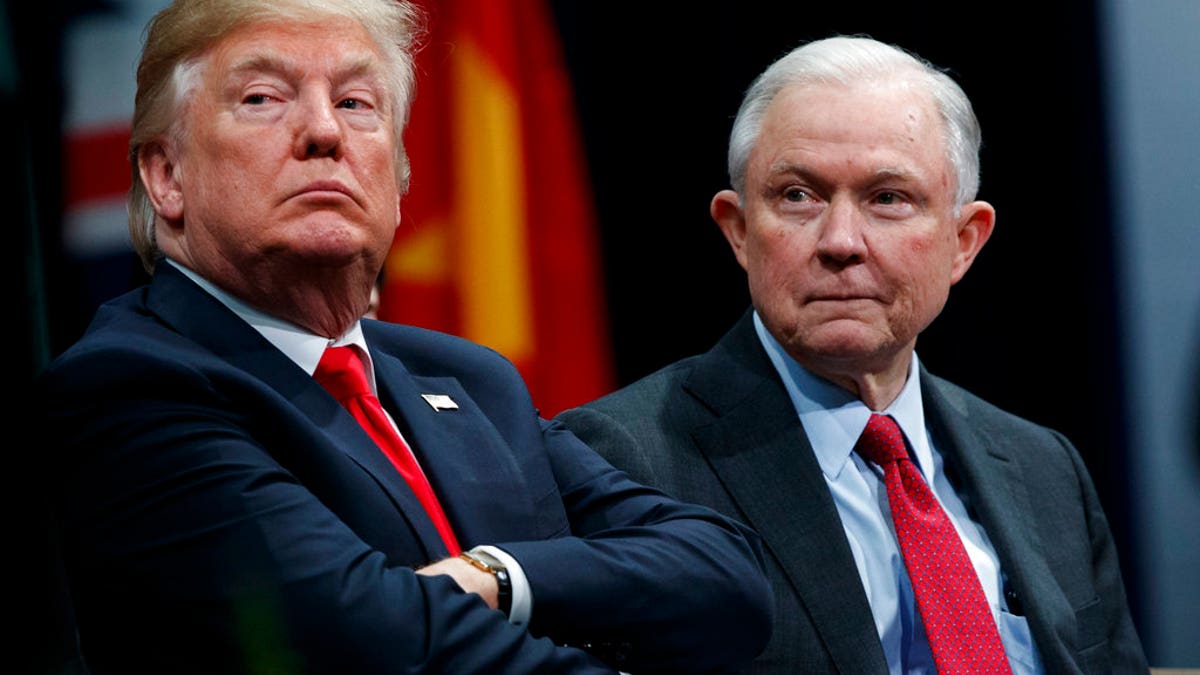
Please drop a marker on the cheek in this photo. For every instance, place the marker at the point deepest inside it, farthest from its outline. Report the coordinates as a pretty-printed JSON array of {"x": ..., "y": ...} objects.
[
  {"x": 924, "y": 247},
  {"x": 775, "y": 264},
  {"x": 931, "y": 255},
  {"x": 380, "y": 180},
  {"x": 928, "y": 269},
  {"x": 225, "y": 189}
]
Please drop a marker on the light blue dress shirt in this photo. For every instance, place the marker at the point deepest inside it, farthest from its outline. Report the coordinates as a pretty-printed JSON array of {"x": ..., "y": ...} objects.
[{"x": 833, "y": 419}]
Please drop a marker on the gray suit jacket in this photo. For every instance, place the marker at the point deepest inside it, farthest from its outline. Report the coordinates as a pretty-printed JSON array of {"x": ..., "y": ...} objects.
[{"x": 719, "y": 429}]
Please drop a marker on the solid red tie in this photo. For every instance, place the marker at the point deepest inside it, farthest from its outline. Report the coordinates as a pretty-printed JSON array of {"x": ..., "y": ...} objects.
[
  {"x": 958, "y": 622},
  {"x": 341, "y": 372}
]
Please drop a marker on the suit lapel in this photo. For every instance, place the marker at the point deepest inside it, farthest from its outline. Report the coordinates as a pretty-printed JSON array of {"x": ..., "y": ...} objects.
[
  {"x": 994, "y": 491},
  {"x": 463, "y": 458},
  {"x": 986, "y": 475},
  {"x": 201, "y": 317},
  {"x": 756, "y": 426}
]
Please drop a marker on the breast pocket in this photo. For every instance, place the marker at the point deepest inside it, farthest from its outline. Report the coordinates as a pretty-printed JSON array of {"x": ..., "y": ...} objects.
[
  {"x": 1091, "y": 636},
  {"x": 1018, "y": 644}
]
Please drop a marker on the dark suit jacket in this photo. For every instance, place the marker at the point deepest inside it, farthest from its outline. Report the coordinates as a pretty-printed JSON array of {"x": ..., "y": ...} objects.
[
  {"x": 221, "y": 513},
  {"x": 720, "y": 429}
]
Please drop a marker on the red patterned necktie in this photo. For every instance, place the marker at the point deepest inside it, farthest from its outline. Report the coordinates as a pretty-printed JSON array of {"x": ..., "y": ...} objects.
[
  {"x": 958, "y": 622},
  {"x": 341, "y": 372}
]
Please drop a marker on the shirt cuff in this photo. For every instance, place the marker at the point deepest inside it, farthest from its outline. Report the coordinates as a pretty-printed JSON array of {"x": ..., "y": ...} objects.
[{"x": 522, "y": 596}]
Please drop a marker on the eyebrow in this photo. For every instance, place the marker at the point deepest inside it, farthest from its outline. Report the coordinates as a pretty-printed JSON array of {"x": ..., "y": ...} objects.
[
  {"x": 350, "y": 67},
  {"x": 881, "y": 174},
  {"x": 893, "y": 173}
]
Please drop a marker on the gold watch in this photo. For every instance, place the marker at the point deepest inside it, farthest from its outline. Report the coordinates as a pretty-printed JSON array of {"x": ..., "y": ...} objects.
[{"x": 489, "y": 563}]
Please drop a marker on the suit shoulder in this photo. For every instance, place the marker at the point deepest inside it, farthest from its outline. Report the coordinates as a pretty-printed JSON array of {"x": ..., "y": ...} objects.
[
  {"x": 643, "y": 412},
  {"x": 122, "y": 342},
  {"x": 991, "y": 420},
  {"x": 489, "y": 376},
  {"x": 649, "y": 389},
  {"x": 426, "y": 351}
]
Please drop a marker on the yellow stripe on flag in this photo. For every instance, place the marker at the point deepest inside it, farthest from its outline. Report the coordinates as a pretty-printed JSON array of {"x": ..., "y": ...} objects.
[
  {"x": 493, "y": 267},
  {"x": 421, "y": 256}
]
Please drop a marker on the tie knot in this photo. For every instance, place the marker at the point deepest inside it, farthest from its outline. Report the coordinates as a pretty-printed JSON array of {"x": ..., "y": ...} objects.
[
  {"x": 342, "y": 374},
  {"x": 882, "y": 441}
]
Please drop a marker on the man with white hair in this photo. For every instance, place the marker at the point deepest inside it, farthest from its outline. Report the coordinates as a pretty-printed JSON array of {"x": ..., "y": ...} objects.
[{"x": 910, "y": 526}]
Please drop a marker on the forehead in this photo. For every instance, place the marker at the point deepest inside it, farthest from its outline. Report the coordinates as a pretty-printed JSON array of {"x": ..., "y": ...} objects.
[
  {"x": 334, "y": 46},
  {"x": 882, "y": 123}
]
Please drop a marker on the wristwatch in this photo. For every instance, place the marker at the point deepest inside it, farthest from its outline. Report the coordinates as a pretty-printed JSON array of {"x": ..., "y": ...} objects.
[{"x": 491, "y": 564}]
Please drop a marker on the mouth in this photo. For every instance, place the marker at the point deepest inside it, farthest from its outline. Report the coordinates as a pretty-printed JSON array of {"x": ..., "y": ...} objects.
[
  {"x": 324, "y": 189},
  {"x": 841, "y": 298}
]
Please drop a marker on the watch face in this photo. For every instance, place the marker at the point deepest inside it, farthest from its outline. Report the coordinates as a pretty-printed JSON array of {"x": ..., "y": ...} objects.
[
  {"x": 490, "y": 560},
  {"x": 483, "y": 561}
]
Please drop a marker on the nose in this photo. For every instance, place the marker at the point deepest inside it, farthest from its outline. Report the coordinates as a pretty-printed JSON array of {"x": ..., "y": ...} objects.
[
  {"x": 841, "y": 238},
  {"x": 318, "y": 130}
]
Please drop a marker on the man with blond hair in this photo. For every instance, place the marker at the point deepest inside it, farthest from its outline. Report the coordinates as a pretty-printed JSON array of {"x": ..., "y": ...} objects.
[{"x": 256, "y": 479}]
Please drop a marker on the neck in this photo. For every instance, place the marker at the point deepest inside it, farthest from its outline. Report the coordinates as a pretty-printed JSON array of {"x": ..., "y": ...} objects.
[
  {"x": 877, "y": 386},
  {"x": 327, "y": 309},
  {"x": 325, "y": 302}
]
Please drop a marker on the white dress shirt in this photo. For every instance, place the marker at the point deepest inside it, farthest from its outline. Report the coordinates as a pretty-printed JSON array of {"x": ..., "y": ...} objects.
[
  {"x": 833, "y": 419},
  {"x": 306, "y": 349}
]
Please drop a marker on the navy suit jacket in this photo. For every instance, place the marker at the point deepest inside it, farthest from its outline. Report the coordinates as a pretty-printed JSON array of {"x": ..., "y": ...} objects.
[
  {"x": 720, "y": 429},
  {"x": 221, "y": 513}
]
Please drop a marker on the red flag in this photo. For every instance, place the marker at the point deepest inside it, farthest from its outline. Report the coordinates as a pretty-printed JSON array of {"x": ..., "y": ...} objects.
[{"x": 498, "y": 241}]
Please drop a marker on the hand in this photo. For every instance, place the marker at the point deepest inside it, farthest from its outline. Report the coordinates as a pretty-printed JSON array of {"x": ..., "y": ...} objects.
[{"x": 470, "y": 578}]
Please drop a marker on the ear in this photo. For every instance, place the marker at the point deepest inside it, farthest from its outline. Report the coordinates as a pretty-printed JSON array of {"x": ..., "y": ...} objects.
[
  {"x": 160, "y": 175},
  {"x": 726, "y": 210},
  {"x": 975, "y": 223}
]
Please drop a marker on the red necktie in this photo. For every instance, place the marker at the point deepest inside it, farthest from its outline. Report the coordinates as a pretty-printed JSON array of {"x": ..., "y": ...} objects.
[
  {"x": 341, "y": 373},
  {"x": 958, "y": 622}
]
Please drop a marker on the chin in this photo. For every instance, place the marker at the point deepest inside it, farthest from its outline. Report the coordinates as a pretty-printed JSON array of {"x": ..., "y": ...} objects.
[
  {"x": 336, "y": 241},
  {"x": 852, "y": 343}
]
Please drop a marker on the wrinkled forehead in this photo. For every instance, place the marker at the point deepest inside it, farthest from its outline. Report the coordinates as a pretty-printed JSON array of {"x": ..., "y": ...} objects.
[
  {"x": 334, "y": 44},
  {"x": 887, "y": 119},
  {"x": 837, "y": 110}
]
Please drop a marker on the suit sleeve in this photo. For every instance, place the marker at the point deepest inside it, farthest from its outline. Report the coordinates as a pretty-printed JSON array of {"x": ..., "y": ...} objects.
[
  {"x": 612, "y": 441},
  {"x": 192, "y": 548},
  {"x": 1113, "y": 622},
  {"x": 654, "y": 584}
]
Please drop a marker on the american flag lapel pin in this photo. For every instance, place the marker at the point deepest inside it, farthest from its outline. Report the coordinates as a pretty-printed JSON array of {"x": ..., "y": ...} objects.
[{"x": 440, "y": 402}]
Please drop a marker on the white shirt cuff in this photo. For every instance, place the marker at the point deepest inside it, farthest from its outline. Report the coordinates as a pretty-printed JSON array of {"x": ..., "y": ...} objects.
[{"x": 522, "y": 596}]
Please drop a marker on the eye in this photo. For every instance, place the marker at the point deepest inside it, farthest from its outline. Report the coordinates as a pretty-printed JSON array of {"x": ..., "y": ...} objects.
[
  {"x": 893, "y": 204},
  {"x": 365, "y": 101},
  {"x": 795, "y": 194},
  {"x": 255, "y": 99}
]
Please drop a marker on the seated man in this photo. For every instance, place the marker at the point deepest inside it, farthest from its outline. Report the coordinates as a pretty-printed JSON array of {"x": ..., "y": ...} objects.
[
  {"x": 255, "y": 479},
  {"x": 910, "y": 526}
]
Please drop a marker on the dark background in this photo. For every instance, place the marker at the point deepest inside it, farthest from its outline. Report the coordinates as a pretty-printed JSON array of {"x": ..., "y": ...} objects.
[{"x": 1033, "y": 326}]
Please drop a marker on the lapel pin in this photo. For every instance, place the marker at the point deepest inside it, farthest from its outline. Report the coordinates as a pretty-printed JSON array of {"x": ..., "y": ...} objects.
[{"x": 440, "y": 401}]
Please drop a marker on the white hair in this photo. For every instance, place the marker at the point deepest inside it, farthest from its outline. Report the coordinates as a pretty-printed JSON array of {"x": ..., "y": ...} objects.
[{"x": 850, "y": 61}]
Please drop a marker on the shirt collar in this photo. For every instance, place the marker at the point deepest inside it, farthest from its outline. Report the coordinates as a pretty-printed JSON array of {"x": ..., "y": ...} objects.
[
  {"x": 298, "y": 344},
  {"x": 833, "y": 418}
]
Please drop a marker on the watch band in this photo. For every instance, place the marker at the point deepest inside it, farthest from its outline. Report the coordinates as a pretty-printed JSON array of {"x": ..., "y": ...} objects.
[{"x": 486, "y": 562}]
